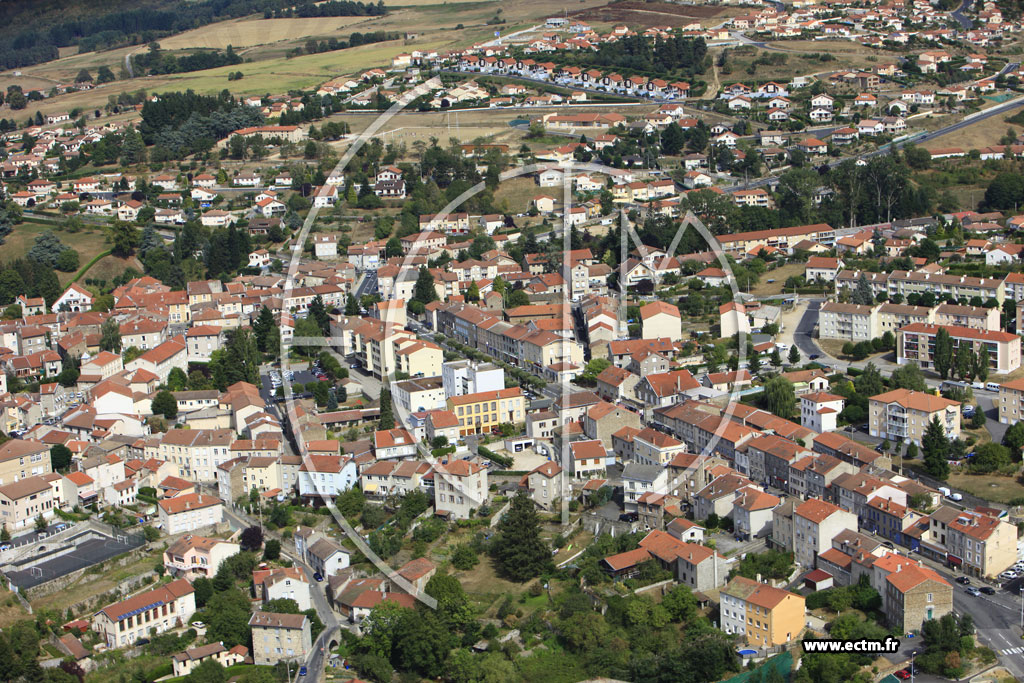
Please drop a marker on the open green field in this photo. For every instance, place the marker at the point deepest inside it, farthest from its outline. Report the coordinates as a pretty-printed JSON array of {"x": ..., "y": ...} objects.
[
  {"x": 88, "y": 243},
  {"x": 278, "y": 75}
]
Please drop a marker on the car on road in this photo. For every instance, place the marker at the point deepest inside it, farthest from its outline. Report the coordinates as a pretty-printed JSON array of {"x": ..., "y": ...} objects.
[
  {"x": 6, "y": 546},
  {"x": 302, "y": 671},
  {"x": 889, "y": 545},
  {"x": 971, "y": 590},
  {"x": 988, "y": 590},
  {"x": 815, "y": 356},
  {"x": 198, "y": 624},
  {"x": 963, "y": 580},
  {"x": 318, "y": 576}
]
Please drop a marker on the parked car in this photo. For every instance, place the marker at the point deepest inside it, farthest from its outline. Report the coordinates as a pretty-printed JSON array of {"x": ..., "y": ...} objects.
[
  {"x": 971, "y": 590},
  {"x": 963, "y": 580},
  {"x": 988, "y": 590},
  {"x": 318, "y": 576},
  {"x": 902, "y": 674},
  {"x": 629, "y": 517}
]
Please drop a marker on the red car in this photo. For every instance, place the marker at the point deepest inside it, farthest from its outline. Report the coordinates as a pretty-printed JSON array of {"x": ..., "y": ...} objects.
[{"x": 903, "y": 674}]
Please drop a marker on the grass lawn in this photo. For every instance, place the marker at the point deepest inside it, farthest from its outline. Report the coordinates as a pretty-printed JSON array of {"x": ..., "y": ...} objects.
[
  {"x": 90, "y": 585},
  {"x": 88, "y": 243},
  {"x": 987, "y": 486},
  {"x": 518, "y": 192},
  {"x": 778, "y": 277},
  {"x": 975, "y": 136}
]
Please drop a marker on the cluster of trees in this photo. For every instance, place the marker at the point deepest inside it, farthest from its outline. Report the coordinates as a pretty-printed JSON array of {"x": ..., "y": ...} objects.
[
  {"x": 860, "y": 596},
  {"x": 861, "y": 350},
  {"x": 154, "y": 62},
  {"x": 388, "y": 540},
  {"x": 29, "y": 277},
  {"x": 238, "y": 361},
  {"x": 48, "y": 250},
  {"x": 675, "y": 55},
  {"x": 36, "y": 36},
  {"x": 949, "y": 643},
  {"x": 964, "y": 363},
  {"x": 770, "y": 564},
  {"x": 313, "y": 47},
  {"x": 179, "y": 124}
]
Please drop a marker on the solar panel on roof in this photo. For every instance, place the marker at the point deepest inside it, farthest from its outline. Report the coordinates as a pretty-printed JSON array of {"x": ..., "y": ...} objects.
[{"x": 141, "y": 610}]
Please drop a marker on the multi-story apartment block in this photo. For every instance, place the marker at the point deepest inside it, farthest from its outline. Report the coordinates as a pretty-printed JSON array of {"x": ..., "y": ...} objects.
[
  {"x": 21, "y": 502},
  {"x": 815, "y": 524},
  {"x": 762, "y": 615},
  {"x": 1011, "y": 395},
  {"x": 196, "y": 452},
  {"x": 903, "y": 415},
  {"x": 190, "y": 512},
  {"x": 916, "y": 344},
  {"x": 279, "y": 637},
  {"x": 459, "y": 488},
  {"x": 985, "y": 544},
  {"x": 847, "y": 322},
  {"x": 21, "y": 458},
  {"x": 482, "y": 412}
]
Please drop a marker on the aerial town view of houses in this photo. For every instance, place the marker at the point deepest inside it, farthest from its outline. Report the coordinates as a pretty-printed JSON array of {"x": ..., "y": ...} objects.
[{"x": 501, "y": 342}]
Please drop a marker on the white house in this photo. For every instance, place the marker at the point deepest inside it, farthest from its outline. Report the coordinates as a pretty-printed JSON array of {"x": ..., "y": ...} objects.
[
  {"x": 74, "y": 299},
  {"x": 819, "y": 410}
]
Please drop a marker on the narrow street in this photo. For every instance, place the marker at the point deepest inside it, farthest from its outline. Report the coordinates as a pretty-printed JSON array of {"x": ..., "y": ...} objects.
[{"x": 316, "y": 660}]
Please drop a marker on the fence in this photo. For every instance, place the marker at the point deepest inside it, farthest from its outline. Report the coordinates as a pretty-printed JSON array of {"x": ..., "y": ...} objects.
[{"x": 783, "y": 663}]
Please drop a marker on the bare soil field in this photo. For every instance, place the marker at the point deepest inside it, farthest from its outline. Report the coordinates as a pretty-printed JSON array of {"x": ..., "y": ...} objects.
[{"x": 648, "y": 14}]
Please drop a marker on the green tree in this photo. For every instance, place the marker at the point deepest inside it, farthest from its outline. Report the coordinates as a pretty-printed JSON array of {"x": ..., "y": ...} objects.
[
  {"x": 520, "y": 553},
  {"x": 936, "y": 447},
  {"x": 794, "y": 355},
  {"x": 965, "y": 361},
  {"x": 869, "y": 383},
  {"x": 424, "y": 291},
  {"x": 910, "y": 377},
  {"x": 318, "y": 313},
  {"x": 60, "y": 457},
  {"x": 83, "y": 76},
  {"x": 208, "y": 671},
  {"x": 464, "y": 557},
  {"x": 1013, "y": 439},
  {"x": 110, "y": 336},
  {"x": 262, "y": 328},
  {"x": 452, "y": 604},
  {"x": 387, "y": 418},
  {"x": 177, "y": 380},
  {"x": 40, "y": 522},
  {"x": 943, "y": 356},
  {"x": 165, "y": 404},
  {"x": 67, "y": 262},
  {"x": 779, "y": 397},
  {"x": 227, "y": 618},
  {"x": 518, "y": 297},
  {"x": 46, "y": 249},
  {"x": 989, "y": 457},
  {"x": 863, "y": 294}
]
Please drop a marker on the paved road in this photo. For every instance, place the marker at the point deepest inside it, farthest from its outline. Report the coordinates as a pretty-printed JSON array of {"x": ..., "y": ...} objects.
[
  {"x": 886, "y": 148},
  {"x": 315, "y": 661},
  {"x": 961, "y": 18}
]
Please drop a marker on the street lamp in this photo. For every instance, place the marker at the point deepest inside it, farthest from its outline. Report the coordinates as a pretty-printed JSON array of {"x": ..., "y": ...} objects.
[{"x": 912, "y": 655}]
